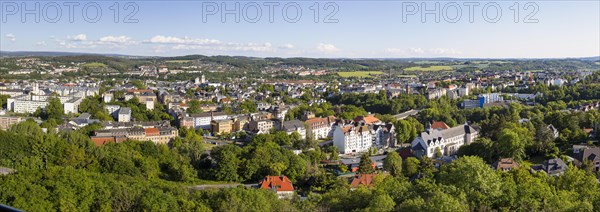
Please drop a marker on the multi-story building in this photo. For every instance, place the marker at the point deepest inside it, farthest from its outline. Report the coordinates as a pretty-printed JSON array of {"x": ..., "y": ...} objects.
[
  {"x": 124, "y": 114},
  {"x": 446, "y": 141},
  {"x": 319, "y": 128},
  {"x": 26, "y": 103},
  {"x": 203, "y": 120},
  {"x": 7, "y": 121},
  {"x": 384, "y": 135},
  {"x": 294, "y": 126},
  {"x": 112, "y": 110},
  {"x": 352, "y": 139},
  {"x": 262, "y": 126},
  {"x": 72, "y": 105},
  {"x": 221, "y": 126},
  {"x": 158, "y": 135}
]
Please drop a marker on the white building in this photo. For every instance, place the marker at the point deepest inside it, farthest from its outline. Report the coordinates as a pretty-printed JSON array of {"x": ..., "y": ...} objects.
[
  {"x": 203, "y": 120},
  {"x": 25, "y": 104},
  {"x": 30, "y": 103},
  {"x": 107, "y": 97},
  {"x": 320, "y": 128},
  {"x": 447, "y": 141},
  {"x": 112, "y": 109},
  {"x": 351, "y": 139},
  {"x": 72, "y": 105},
  {"x": 295, "y": 126},
  {"x": 124, "y": 114},
  {"x": 149, "y": 104}
]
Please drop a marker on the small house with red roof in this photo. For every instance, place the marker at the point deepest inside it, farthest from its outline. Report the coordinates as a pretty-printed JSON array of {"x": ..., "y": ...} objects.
[
  {"x": 279, "y": 184},
  {"x": 362, "y": 179}
]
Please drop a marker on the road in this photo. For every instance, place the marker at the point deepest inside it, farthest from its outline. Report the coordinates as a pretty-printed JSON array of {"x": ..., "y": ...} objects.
[{"x": 407, "y": 114}]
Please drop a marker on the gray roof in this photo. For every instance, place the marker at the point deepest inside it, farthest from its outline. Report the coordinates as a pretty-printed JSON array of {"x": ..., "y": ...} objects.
[
  {"x": 84, "y": 116},
  {"x": 125, "y": 110},
  {"x": 293, "y": 125},
  {"x": 555, "y": 166}
]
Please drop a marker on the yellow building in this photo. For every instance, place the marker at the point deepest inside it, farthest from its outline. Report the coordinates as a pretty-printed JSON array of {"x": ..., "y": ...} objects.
[{"x": 221, "y": 126}]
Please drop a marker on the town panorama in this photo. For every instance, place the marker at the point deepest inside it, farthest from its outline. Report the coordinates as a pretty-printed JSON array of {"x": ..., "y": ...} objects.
[
  {"x": 91, "y": 132},
  {"x": 300, "y": 106}
]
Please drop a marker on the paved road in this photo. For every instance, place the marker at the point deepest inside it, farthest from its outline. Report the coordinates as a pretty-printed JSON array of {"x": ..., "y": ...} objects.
[{"x": 407, "y": 114}]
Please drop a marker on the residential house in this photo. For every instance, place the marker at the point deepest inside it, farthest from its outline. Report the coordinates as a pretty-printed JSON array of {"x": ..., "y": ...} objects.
[
  {"x": 279, "y": 184},
  {"x": 362, "y": 180},
  {"x": 552, "y": 167},
  {"x": 505, "y": 164},
  {"x": 587, "y": 154}
]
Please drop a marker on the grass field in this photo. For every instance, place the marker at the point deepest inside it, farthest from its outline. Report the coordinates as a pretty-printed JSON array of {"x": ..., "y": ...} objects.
[
  {"x": 430, "y": 68},
  {"x": 94, "y": 65},
  {"x": 406, "y": 76},
  {"x": 359, "y": 74}
]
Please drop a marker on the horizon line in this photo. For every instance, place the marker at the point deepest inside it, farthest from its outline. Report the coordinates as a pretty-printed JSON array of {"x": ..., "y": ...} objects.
[{"x": 2, "y": 54}]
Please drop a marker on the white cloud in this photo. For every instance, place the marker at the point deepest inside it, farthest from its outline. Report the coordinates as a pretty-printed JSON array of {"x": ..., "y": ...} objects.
[
  {"x": 286, "y": 46},
  {"x": 79, "y": 37},
  {"x": 443, "y": 51},
  {"x": 327, "y": 48},
  {"x": 210, "y": 45},
  {"x": 416, "y": 51},
  {"x": 11, "y": 37},
  {"x": 420, "y": 52},
  {"x": 41, "y": 43},
  {"x": 109, "y": 42},
  {"x": 184, "y": 40},
  {"x": 116, "y": 39}
]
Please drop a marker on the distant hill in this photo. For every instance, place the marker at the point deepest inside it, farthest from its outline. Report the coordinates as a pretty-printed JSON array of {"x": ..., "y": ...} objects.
[{"x": 193, "y": 57}]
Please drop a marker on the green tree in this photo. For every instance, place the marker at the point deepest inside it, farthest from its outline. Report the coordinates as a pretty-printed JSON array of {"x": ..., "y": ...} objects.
[
  {"x": 510, "y": 145},
  {"x": 410, "y": 166},
  {"x": 54, "y": 109},
  {"x": 365, "y": 166},
  {"x": 194, "y": 107},
  {"x": 393, "y": 164},
  {"x": 471, "y": 174}
]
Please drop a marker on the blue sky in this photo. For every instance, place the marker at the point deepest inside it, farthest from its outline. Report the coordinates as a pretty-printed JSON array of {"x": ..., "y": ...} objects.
[{"x": 364, "y": 29}]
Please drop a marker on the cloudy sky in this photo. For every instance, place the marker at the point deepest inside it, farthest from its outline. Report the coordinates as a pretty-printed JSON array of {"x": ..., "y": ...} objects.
[{"x": 351, "y": 28}]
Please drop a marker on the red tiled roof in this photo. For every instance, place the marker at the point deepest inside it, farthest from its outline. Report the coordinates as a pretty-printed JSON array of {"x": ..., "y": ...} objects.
[
  {"x": 278, "y": 183},
  {"x": 99, "y": 141},
  {"x": 370, "y": 119},
  {"x": 362, "y": 179},
  {"x": 151, "y": 131},
  {"x": 439, "y": 125}
]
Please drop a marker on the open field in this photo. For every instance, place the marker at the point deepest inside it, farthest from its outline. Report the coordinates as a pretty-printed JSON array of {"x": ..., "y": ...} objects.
[
  {"x": 427, "y": 62},
  {"x": 430, "y": 68},
  {"x": 359, "y": 74},
  {"x": 178, "y": 61},
  {"x": 94, "y": 65}
]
